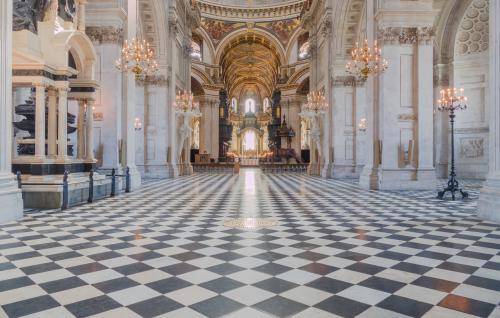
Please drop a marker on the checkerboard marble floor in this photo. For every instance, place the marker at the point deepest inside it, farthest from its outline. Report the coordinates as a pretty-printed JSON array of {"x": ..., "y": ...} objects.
[{"x": 333, "y": 250}]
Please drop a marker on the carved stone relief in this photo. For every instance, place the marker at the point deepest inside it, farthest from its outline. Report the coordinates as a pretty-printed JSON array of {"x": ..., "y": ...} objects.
[
  {"x": 471, "y": 148},
  {"x": 106, "y": 34}
]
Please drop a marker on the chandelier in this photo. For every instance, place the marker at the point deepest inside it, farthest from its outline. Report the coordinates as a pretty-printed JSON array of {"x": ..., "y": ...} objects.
[
  {"x": 184, "y": 102},
  {"x": 137, "y": 57},
  {"x": 452, "y": 100},
  {"x": 366, "y": 61},
  {"x": 316, "y": 102}
]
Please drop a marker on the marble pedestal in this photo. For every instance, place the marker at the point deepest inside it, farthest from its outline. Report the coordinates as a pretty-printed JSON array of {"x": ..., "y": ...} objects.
[
  {"x": 407, "y": 179},
  {"x": 489, "y": 199},
  {"x": 346, "y": 171},
  {"x": 11, "y": 207},
  {"x": 135, "y": 178},
  {"x": 164, "y": 171},
  {"x": 46, "y": 192}
]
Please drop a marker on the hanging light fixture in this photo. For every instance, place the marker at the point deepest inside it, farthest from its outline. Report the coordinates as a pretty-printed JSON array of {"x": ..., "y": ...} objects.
[
  {"x": 316, "y": 102},
  {"x": 184, "y": 102},
  {"x": 366, "y": 61},
  {"x": 137, "y": 57}
]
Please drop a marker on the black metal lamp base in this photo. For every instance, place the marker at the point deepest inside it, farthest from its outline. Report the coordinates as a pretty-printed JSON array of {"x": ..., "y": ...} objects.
[{"x": 452, "y": 187}]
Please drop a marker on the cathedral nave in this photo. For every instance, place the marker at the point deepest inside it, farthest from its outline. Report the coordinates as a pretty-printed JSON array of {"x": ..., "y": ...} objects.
[{"x": 250, "y": 158}]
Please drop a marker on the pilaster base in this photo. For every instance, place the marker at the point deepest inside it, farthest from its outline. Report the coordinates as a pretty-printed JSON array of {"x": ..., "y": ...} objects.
[
  {"x": 344, "y": 172},
  {"x": 407, "y": 179},
  {"x": 326, "y": 171},
  {"x": 165, "y": 171},
  {"x": 489, "y": 199},
  {"x": 442, "y": 170},
  {"x": 135, "y": 178},
  {"x": 46, "y": 192},
  {"x": 369, "y": 178},
  {"x": 185, "y": 169},
  {"x": 11, "y": 208}
]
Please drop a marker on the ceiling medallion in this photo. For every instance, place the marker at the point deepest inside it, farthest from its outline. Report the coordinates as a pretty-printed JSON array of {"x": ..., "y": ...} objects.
[
  {"x": 366, "y": 61},
  {"x": 250, "y": 223}
]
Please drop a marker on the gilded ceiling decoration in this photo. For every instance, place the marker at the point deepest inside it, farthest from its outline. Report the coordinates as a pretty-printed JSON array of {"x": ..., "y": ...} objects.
[
  {"x": 247, "y": 60},
  {"x": 217, "y": 29},
  {"x": 251, "y": 10},
  {"x": 283, "y": 29}
]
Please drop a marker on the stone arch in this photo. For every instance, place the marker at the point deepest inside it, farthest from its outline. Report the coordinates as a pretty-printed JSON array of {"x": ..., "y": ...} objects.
[
  {"x": 206, "y": 40},
  {"x": 276, "y": 44},
  {"x": 83, "y": 53}
]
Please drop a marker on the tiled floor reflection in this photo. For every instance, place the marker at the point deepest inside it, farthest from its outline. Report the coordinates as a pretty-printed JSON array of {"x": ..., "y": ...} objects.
[{"x": 334, "y": 251}]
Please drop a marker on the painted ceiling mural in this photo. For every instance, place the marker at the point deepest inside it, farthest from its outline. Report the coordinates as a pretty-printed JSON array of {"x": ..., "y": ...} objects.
[
  {"x": 217, "y": 29},
  {"x": 282, "y": 30}
]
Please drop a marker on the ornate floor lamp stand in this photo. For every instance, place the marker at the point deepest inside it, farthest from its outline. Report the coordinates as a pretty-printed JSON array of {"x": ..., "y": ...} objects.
[{"x": 452, "y": 100}]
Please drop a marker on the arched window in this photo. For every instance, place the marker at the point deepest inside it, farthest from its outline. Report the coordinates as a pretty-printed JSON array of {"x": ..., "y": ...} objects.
[
  {"x": 304, "y": 51},
  {"x": 195, "y": 51},
  {"x": 304, "y": 46},
  {"x": 249, "y": 106},
  {"x": 249, "y": 141},
  {"x": 234, "y": 105}
]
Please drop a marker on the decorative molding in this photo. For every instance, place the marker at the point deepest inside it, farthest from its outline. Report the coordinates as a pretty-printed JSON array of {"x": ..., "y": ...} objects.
[
  {"x": 408, "y": 117},
  {"x": 98, "y": 116},
  {"x": 43, "y": 73},
  {"x": 471, "y": 148},
  {"x": 426, "y": 35},
  {"x": 349, "y": 81},
  {"x": 406, "y": 35},
  {"x": 105, "y": 34},
  {"x": 155, "y": 80},
  {"x": 241, "y": 13}
]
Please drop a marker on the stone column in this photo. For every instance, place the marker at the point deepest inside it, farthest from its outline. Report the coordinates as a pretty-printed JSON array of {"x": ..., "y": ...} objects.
[
  {"x": 80, "y": 150},
  {"x": 129, "y": 114},
  {"x": 89, "y": 131},
  {"x": 62, "y": 131},
  {"x": 404, "y": 96},
  {"x": 40, "y": 121},
  {"x": 426, "y": 172},
  {"x": 441, "y": 123},
  {"x": 52, "y": 124},
  {"x": 360, "y": 135},
  {"x": 11, "y": 207},
  {"x": 489, "y": 198},
  {"x": 369, "y": 175},
  {"x": 81, "y": 15}
]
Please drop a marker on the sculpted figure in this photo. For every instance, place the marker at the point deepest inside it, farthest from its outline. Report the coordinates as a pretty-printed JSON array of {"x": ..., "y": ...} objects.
[
  {"x": 26, "y": 14},
  {"x": 67, "y": 9}
]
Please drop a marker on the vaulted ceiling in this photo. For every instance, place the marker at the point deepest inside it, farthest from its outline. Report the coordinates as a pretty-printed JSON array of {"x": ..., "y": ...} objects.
[{"x": 250, "y": 60}]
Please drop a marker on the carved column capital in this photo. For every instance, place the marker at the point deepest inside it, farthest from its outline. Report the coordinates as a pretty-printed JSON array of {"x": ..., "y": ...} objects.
[{"x": 105, "y": 34}]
